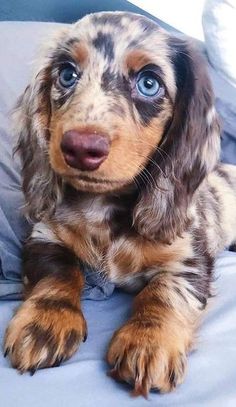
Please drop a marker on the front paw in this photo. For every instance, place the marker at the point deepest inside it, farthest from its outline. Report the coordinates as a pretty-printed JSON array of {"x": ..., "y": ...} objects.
[
  {"x": 146, "y": 357},
  {"x": 44, "y": 333}
]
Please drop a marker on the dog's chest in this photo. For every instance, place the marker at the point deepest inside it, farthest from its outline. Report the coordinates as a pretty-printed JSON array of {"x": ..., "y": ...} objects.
[
  {"x": 120, "y": 258},
  {"x": 104, "y": 229},
  {"x": 101, "y": 235},
  {"x": 99, "y": 232}
]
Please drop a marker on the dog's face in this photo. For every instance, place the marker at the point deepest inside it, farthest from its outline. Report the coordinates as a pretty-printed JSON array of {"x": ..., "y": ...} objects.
[
  {"x": 112, "y": 93},
  {"x": 116, "y": 100}
]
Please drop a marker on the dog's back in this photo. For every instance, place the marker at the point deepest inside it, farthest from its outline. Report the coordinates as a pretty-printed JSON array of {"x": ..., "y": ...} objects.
[{"x": 216, "y": 205}]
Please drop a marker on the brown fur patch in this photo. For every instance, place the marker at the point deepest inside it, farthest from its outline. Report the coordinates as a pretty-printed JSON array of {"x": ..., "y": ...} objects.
[
  {"x": 137, "y": 59},
  {"x": 81, "y": 54}
]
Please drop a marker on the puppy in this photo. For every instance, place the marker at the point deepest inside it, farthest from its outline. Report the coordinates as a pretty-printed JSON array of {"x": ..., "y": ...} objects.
[{"x": 119, "y": 141}]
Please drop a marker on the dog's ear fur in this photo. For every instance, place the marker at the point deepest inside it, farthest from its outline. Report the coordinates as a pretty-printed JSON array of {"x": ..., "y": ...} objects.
[
  {"x": 189, "y": 149},
  {"x": 31, "y": 122},
  {"x": 41, "y": 185}
]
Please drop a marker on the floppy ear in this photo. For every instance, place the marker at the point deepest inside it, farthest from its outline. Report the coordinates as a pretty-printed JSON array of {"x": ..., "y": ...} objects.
[
  {"x": 41, "y": 185},
  {"x": 189, "y": 149}
]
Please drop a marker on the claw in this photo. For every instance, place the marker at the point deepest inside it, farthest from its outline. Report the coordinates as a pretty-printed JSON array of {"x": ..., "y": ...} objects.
[
  {"x": 58, "y": 361},
  {"x": 85, "y": 337},
  {"x": 6, "y": 352},
  {"x": 32, "y": 371},
  {"x": 114, "y": 374},
  {"x": 141, "y": 389}
]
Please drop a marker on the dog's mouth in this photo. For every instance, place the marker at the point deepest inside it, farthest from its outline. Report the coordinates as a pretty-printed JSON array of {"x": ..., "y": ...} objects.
[
  {"x": 98, "y": 180},
  {"x": 94, "y": 184}
]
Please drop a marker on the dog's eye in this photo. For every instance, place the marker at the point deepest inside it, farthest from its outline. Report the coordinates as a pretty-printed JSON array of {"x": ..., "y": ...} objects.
[
  {"x": 68, "y": 76},
  {"x": 147, "y": 84}
]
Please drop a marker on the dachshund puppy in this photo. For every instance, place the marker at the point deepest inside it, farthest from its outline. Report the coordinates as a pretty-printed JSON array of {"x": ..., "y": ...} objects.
[{"x": 119, "y": 141}]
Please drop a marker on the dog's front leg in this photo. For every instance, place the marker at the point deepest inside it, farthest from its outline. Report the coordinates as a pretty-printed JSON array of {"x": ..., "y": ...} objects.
[
  {"x": 49, "y": 326},
  {"x": 150, "y": 350}
]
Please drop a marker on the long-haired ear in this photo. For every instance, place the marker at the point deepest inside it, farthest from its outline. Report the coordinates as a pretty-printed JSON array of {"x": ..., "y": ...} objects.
[
  {"x": 188, "y": 151},
  {"x": 31, "y": 117}
]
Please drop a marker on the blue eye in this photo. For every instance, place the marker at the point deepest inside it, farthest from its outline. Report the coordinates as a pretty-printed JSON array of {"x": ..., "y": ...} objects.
[
  {"x": 147, "y": 84},
  {"x": 68, "y": 76}
]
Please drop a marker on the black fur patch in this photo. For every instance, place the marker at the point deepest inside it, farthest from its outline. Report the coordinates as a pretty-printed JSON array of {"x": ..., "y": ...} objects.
[
  {"x": 56, "y": 304},
  {"x": 148, "y": 109},
  {"x": 105, "y": 44},
  {"x": 115, "y": 83},
  {"x": 73, "y": 337},
  {"x": 41, "y": 338},
  {"x": 43, "y": 259},
  {"x": 191, "y": 262},
  {"x": 110, "y": 81},
  {"x": 232, "y": 248},
  {"x": 60, "y": 57}
]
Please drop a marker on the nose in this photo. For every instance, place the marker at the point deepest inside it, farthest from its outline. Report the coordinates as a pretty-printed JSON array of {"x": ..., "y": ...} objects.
[{"x": 84, "y": 151}]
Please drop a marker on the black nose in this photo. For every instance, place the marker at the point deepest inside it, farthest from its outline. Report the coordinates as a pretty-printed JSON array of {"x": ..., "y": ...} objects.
[{"x": 84, "y": 151}]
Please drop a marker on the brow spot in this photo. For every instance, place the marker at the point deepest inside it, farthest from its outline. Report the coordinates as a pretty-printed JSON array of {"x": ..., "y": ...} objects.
[{"x": 104, "y": 43}]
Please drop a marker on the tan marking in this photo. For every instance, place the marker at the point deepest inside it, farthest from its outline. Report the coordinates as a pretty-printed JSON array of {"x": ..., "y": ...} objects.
[
  {"x": 82, "y": 241},
  {"x": 137, "y": 59},
  {"x": 80, "y": 53},
  {"x": 129, "y": 256}
]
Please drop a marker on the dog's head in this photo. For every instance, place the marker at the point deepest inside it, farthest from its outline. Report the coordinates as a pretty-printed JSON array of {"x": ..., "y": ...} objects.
[{"x": 117, "y": 100}]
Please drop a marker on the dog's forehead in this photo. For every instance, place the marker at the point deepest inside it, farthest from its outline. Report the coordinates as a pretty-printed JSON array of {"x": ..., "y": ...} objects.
[
  {"x": 110, "y": 32},
  {"x": 124, "y": 23}
]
